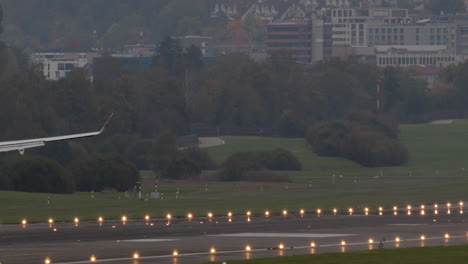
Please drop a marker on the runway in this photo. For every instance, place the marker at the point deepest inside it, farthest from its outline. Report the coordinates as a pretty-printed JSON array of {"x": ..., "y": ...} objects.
[{"x": 156, "y": 240}]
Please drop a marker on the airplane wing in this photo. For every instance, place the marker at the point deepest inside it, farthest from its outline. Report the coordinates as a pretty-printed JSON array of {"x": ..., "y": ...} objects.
[{"x": 21, "y": 145}]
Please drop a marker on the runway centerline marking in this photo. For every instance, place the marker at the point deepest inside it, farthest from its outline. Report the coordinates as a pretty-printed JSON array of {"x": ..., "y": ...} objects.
[
  {"x": 283, "y": 235},
  {"x": 147, "y": 240},
  {"x": 406, "y": 224}
]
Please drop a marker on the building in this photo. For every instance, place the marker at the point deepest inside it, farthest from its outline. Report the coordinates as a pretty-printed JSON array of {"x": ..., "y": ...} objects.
[
  {"x": 57, "y": 65},
  {"x": 205, "y": 44},
  {"x": 434, "y": 56},
  {"x": 349, "y": 25},
  {"x": 429, "y": 34},
  {"x": 304, "y": 39}
]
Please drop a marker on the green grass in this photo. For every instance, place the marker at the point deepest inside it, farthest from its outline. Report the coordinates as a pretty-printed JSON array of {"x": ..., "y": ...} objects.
[
  {"x": 434, "y": 149},
  {"x": 429, "y": 255},
  {"x": 438, "y": 152}
]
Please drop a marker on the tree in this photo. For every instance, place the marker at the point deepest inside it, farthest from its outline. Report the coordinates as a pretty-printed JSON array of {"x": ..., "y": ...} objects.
[
  {"x": 373, "y": 149},
  {"x": 37, "y": 174},
  {"x": 107, "y": 171},
  {"x": 163, "y": 154},
  {"x": 327, "y": 138}
]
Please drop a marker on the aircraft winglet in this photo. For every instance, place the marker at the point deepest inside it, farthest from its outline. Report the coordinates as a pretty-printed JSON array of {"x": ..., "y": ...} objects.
[{"x": 107, "y": 122}]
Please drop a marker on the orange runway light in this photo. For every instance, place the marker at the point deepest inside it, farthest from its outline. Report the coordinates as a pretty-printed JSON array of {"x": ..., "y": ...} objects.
[
  {"x": 248, "y": 248},
  {"x": 267, "y": 213},
  {"x": 312, "y": 244},
  {"x": 371, "y": 241},
  {"x": 24, "y": 222},
  {"x": 285, "y": 213},
  {"x": 47, "y": 261},
  {"x": 136, "y": 255},
  {"x": 350, "y": 210},
  {"x": 281, "y": 246},
  {"x": 335, "y": 211},
  {"x": 147, "y": 217},
  {"x": 175, "y": 253},
  {"x": 343, "y": 243},
  {"x": 92, "y": 258},
  {"x": 397, "y": 239},
  {"x": 212, "y": 250}
]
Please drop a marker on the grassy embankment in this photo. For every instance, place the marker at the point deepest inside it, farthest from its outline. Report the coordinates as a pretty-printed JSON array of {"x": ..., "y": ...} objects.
[
  {"x": 429, "y": 255},
  {"x": 437, "y": 174}
]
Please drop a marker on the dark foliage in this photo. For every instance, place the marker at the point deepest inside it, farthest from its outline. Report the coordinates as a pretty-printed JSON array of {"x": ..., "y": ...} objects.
[
  {"x": 327, "y": 138},
  {"x": 366, "y": 138},
  {"x": 238, "y": 166},
  {"x": 200, "y": 157},
  {"x": 373, "y": 149},
  {"x": 182, "y": 167},
  {"x": 35, "y": 174},
  {"x": 100, "y": 172}
]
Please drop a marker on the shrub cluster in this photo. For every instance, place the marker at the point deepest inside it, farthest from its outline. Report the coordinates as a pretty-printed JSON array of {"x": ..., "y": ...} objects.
[
  {"x": 35, "y": 174},
  {"x": 104, "y": 172},
  {"x": 258, "y": 166},
  {"x": 365, "y": 138},
  {"x": 39, "y": 174},
  {"x": 172, "y": 163}
]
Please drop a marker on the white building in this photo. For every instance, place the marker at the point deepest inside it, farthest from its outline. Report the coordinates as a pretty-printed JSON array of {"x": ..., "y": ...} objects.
[{"x": 57, "y": 65}]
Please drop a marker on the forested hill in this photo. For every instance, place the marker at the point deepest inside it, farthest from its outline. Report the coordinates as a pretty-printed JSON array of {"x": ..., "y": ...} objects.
[{"x": 58, "y": 24}]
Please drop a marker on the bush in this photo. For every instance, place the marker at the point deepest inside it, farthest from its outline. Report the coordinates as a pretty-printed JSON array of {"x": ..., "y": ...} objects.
[
  {"x": 108, "y": 171},
  {"x": 279, "y": 159},
  {"x": 379, "y": 122},
  {"x": 200, "y": 157},
  {"x": 373, "y": 149},
  {"x": 240, "y": 164},
  {"x": 36, "y": 174},
  {"x": 182, "y": 167},
  {"x": 327, "y": 138}
]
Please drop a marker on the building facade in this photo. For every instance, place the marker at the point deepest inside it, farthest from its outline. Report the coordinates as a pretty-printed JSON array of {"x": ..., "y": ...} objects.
[
  {"x": 57, "y": 65},
  {"x": 303, "y": 39}
]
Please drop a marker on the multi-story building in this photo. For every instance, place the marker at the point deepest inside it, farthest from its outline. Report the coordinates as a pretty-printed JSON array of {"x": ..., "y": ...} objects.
[
  {"x": 412, "y": 35},
  {"x": 57, "y": 65},
  {"x": 349, "y": 25},
  {"x": 303, "y": 39}
]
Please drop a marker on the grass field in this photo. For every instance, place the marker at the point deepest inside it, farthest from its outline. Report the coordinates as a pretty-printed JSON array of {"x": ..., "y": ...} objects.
[
  {"x": 429, "y": 255},
  {"x": 439, "y": 156},
  {"x": 433, "y": 148}
]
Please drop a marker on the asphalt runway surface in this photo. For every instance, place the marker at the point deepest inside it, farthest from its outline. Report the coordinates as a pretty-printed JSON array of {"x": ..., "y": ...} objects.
[{"x": 155, "y": 240}]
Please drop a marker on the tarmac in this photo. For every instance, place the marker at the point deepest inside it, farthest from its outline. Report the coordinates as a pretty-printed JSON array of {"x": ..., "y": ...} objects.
[{"x": 156, "y": 240}]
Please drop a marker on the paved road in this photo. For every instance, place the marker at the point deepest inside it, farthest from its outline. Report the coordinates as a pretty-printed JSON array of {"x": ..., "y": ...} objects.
[
  {"x": 115, "y": 243},
  {"x": 208, "y": 142}
]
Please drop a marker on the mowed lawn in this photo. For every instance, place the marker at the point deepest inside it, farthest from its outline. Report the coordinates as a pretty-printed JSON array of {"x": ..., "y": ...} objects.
[
  {"x": 429, "y": 255},
  {"x": 436, "y": 173},
  {"x": 434, "y": 150}
]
